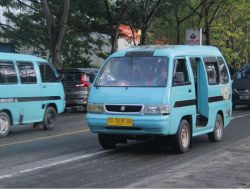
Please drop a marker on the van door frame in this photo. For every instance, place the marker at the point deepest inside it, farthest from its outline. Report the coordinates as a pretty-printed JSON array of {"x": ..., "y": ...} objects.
[{"x": 182, "y": 97}]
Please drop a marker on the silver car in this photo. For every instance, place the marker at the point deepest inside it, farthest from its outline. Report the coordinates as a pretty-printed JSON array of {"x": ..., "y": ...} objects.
[{"x": 77, "y": 83}]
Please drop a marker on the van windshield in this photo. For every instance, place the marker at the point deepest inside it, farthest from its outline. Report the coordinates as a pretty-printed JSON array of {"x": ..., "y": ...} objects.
[{"x": 134, "y": 72}]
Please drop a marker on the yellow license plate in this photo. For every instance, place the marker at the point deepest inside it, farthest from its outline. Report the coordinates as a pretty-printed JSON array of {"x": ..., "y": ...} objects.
[{"x": 120, "y": 122}]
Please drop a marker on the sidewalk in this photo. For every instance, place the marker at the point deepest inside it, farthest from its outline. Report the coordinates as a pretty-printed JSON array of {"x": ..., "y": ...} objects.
[{"x": 228, "y": 169}]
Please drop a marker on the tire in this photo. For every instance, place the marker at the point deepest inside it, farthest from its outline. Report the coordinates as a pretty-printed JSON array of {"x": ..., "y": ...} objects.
[
  {"x": 107, "y": 141},
  {"x": 217, "y": 134},
  {"x": 182, "y": 139},
  {"x": 4, "y": 124},
  {"x": 50, "y": 117}
]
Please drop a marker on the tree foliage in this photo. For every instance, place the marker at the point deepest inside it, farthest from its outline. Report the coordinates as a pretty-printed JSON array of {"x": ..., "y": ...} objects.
[{"x": 92, "y": 27}]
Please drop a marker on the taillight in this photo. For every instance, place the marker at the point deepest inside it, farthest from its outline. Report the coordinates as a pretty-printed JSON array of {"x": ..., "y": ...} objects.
[{"x": 83, "y": 81}]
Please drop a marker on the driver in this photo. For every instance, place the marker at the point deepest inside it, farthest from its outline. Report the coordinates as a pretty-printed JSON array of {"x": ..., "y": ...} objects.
[{"x": 124, "y": 73}]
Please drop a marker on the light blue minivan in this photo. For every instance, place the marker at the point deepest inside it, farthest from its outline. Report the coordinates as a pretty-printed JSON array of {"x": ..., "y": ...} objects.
[
  {"x": 30, "y": 92},
  {"x": 150, "y": 91}
]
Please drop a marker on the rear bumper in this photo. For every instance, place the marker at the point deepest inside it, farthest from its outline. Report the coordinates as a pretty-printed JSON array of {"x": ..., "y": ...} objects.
[
  {"x": 76, "y": 101},
  {"x": 142, "y": 125},
  {"x": 237, "y": 100}
]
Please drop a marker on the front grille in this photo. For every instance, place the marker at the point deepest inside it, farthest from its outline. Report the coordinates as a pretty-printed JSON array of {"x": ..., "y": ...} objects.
[
  {"x": 243, "y": 91},
  {"x": 124, "y": 108}
]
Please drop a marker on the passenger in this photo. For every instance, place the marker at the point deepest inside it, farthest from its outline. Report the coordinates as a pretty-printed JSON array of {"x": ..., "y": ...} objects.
[
  {"x": 124, "y": 73},
  {"x": 145, "y": 71},
  {"x": 161, "y": 78}
]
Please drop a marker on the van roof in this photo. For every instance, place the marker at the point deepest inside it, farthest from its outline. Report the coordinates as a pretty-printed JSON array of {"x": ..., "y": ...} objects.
[
  {"x": 172, "y": 50},
  {"x": 20, "y": 57}
]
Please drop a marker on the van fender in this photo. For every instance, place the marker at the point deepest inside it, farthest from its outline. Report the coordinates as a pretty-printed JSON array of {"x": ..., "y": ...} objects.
[
  {"x": 176, "y": 121},
  {"x": 9, "y": 113},
  {"x": 222, "y": 115},
  {"x": 51, "y": 105}
]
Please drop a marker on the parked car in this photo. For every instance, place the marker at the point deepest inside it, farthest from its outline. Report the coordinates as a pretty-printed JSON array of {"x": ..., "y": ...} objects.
[
  {"x": 241, "y": 87},
  {"x": 77, "y": 83}
]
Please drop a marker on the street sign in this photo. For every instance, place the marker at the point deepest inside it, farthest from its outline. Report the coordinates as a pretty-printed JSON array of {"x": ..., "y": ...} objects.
[{"x": 194, "y": 37}]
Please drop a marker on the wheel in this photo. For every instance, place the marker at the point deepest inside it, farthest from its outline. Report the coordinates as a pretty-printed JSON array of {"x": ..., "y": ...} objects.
[
  {"x": 107, "y": 141},
  {"x": 182, "y": 139},
  {"x": 4, "y": 124},
  {"x": 50, "y": 118},
  {"x": 217, "y": 134}
]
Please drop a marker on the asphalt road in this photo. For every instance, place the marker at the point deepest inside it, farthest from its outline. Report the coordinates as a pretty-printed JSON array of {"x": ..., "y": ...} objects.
[{"x": 71, "y": 157}]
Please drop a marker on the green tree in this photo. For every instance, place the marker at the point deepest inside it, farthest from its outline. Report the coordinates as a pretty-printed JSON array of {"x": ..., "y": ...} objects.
[
  {"x": 142, "y": 14},
  {"x": 56, "y": 22},
  {"x": 230, "y": 32},
  {"x": 26, "y": 28}
]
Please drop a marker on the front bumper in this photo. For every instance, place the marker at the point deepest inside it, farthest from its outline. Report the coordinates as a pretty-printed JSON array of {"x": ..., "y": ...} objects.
[{"x": 142, "y": 124}]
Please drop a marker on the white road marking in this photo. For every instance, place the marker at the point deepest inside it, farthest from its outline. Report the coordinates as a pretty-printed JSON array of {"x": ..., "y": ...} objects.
[
  {"x": 48, "y": 165},
  {"x": 240, "y": 116},
  {"x": 65, "y": 161},
  {"x": 45, "y": 138}
]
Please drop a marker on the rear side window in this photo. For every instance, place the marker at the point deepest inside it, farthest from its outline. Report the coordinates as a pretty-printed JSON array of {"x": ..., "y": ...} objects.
[
  {"x": 7, "y": 73},
  {"x": 194, "y": 62},
  {"x": 224, "y": 77},
  {"x": 47, "y": 74},
  {"x": 72, "y": 77},
  {"x": 27, "y": 72},
  {"x": 212, "y": 71}
]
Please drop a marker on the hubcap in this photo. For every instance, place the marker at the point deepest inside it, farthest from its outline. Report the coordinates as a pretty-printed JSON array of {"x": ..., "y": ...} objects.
[
  {"x": 218, "y": 128},
  {"x": 51, "y": 117},
  {"x": 184, "y": 136},
  {"x": 4, "y": 124}
]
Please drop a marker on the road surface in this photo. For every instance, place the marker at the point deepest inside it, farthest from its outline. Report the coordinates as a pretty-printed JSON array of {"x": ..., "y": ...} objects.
[{"x": 71, "y": 157}]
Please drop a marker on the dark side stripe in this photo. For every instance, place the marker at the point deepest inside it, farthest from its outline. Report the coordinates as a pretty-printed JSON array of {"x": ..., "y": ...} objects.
[
  {"x": 215, "y": 99},
  {"x": 184, "y": 103},
  {"x": 29, "y": 99}
]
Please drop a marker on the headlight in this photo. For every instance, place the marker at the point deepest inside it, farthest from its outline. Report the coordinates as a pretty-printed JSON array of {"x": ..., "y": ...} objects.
[
  {"x": 157, "y": 109},
  {"x": 95, "y": 108}
]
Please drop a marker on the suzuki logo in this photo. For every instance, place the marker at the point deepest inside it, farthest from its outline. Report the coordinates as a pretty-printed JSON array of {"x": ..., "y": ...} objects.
[{"x": 123, "y": 108}]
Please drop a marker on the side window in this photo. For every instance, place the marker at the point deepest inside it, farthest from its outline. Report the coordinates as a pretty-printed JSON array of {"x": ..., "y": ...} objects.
[
  {"x": 212, "y": 71},
  {"x": 47, "y": 73},
  {"x": 194, "y": 62},
  {"x": 224, "y": 78},
  {"x": 27, "y": 72},
  {"x": 180, "y": 76},
  {"x": 7, "y": 73}
]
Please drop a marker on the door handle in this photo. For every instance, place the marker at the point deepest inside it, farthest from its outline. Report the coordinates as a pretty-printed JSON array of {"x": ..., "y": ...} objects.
[
  {"x": 189, "y": 91},
  {"x": 44, "y": 86}
]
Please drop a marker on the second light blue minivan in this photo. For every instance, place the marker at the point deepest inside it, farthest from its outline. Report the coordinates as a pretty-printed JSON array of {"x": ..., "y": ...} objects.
[
  {"x": 176, "y": 91},
  {"x": 30, "y": 92}
]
